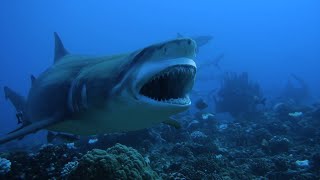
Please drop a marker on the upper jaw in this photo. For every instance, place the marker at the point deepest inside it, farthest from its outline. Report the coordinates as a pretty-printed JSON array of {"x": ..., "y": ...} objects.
[{"x": 168, "y": 82}]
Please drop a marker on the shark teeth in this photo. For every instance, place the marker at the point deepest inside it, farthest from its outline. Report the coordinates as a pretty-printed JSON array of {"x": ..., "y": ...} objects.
[
  {"x": 171, "y": 85},
  {"x": 180, "y": 70},
  {"x": 185, "y": 100}
]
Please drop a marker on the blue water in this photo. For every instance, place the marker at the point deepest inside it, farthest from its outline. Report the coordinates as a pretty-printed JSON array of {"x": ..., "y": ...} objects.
[{"x": 268, "y": 39}]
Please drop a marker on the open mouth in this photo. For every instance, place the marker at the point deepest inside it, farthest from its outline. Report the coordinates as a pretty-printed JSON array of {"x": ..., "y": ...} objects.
[{"x": 171, "y": 85}]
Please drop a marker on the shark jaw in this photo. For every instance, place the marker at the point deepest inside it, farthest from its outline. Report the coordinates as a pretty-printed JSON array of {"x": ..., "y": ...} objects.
[{"x": 167, "y": 82}]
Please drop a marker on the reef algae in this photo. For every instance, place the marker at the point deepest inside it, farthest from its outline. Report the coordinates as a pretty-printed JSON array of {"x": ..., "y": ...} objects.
[{"x": 117, "y": 162}]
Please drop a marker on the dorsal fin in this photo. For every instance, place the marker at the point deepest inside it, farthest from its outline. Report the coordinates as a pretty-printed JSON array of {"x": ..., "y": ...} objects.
[
  {"x": 59, "y": 50},
  {"x": 33, "y": 79},
  {"x": 179, "y": 35}
]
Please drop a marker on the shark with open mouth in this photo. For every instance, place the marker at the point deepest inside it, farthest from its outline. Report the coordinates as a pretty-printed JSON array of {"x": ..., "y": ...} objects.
[{"x": 86, "y": 95}]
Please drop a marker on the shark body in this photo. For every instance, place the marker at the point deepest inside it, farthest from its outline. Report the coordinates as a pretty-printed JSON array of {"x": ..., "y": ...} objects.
[{"x": 87, "y": 95}]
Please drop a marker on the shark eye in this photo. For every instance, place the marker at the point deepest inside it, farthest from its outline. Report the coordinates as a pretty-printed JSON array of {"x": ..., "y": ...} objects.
[{"x": 165, "y": 51}]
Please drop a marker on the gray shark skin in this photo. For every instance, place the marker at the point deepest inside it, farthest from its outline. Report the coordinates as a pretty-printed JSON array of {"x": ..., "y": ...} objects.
[
  {"x": 200, "y": 40},
  {"x": 86, "y": 95}
]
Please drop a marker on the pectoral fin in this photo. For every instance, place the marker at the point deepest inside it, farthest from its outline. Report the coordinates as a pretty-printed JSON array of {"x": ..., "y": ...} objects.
[
  {"x": 173, "y": 123},
  {"x": 36, "y": 126}
]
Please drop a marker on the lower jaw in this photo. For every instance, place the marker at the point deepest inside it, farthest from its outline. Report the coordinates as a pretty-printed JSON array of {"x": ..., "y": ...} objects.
[
  {"x": 184, "y": 101},
  {"x": 179, "y": 101}
]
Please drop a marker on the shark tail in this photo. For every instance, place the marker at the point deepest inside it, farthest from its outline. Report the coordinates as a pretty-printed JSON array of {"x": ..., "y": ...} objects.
[
  {"x": 16, "y": 99},
  {"x": 19, "y": 104}
]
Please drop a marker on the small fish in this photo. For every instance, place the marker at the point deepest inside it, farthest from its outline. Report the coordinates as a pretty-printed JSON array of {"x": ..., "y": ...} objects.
[
  {"x": 206, "y": 116},
  {"x": 200, "y": 104}
]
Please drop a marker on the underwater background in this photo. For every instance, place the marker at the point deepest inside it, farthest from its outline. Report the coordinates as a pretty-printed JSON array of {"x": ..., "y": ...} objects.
[{"x": 255, "y": 105}]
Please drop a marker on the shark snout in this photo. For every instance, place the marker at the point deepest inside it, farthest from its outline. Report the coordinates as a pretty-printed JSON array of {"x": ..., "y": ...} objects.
[
  {"x": 173, "y": 49},
  {"x": 168, "y": 75},
  {"x": 176, "y": 49}
]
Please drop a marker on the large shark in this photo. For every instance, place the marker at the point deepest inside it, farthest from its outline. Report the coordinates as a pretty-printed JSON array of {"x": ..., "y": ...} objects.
[
  {"x": 87, "y": 95},
  {"x": 200, "y": 40}
]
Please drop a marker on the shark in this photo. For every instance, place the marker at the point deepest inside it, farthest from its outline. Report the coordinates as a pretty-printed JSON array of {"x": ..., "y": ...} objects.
[
  {"x": 90, "y": 95},
  {"x": 200, "y": 40},
  {"x": 215, "y": 62}
]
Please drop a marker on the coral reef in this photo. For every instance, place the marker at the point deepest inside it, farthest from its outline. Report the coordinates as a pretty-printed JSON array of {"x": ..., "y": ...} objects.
[
  {"x": 68, "y": 168},
  {"x": 279, "y": 144},
  {"x": 5, "y": 166},
  {"x": 238, "y": 95},
  {"x": 50, "y": 158},
  {"x": 118, "y": 162},
  {"x": 199, "y": 137},
  {"x": 274, "y": 145}
]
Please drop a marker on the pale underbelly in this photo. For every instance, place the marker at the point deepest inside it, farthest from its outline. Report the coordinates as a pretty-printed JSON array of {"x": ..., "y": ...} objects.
[{"x": 101, "y": 122}]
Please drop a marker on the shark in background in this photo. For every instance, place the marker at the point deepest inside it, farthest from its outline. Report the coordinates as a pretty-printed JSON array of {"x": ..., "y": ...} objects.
[
  {"x": 215, "y": 62},
  {"x": 86, "y": 95}
]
